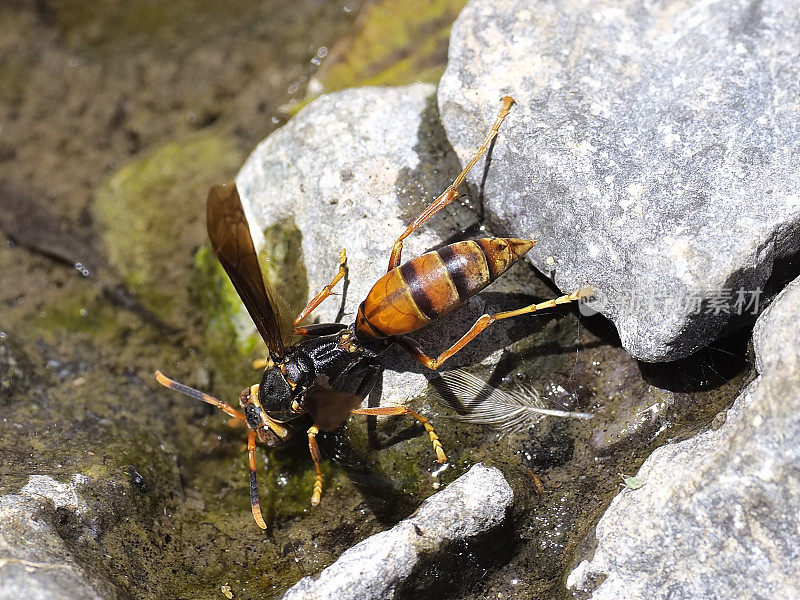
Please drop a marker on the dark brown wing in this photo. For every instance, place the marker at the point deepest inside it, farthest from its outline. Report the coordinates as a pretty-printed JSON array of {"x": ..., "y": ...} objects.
[
  {"x": 328, "y": 407},
  {"x": 230, "y": 238}
]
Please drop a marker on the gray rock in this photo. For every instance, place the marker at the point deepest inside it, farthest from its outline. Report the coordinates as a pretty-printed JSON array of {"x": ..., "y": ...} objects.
[
  {"x": 653, "y": 152},
  {"x": 472, "y": 505},
  {"x": 35, "y": 562},
  {"x": 352, "y": 170},
  {"x": 73, "y": 523},
  {"x": 718, "y": 514}
]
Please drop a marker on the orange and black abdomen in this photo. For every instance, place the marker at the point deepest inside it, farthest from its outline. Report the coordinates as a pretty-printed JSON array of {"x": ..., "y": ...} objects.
[{"x": 429, "y": 286}]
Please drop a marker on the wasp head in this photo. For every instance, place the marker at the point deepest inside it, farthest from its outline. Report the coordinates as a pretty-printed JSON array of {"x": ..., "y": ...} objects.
[{"x": 268, "y": 428}]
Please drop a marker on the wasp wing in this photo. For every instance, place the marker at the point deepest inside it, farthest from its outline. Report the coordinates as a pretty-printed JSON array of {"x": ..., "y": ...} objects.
[
  {"x": 230, "y": 238},
  {"x": 328, "y": 407}
]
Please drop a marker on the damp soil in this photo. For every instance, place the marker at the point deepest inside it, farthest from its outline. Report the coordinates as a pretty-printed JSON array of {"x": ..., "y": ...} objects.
[{"x": 93, "y": 97}]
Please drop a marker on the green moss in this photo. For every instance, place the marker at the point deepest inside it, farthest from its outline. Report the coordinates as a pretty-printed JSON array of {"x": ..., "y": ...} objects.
[
  {"x": 227, "y": 324},
  {"x": 151, "y": 223},
  {"x": 283, "y": 266},
  {"x": 397, "y": 42}
]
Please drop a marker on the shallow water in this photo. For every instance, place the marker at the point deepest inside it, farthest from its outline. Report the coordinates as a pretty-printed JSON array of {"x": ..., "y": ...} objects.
[{"x": 113, "y": 120}]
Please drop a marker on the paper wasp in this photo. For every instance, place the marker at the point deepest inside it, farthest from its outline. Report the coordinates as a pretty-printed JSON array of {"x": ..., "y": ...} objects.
[{"x": 302, "y": 384}]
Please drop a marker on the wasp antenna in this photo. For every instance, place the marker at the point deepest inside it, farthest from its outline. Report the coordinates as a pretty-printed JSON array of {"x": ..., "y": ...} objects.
[{"x": 198, "y": 395}]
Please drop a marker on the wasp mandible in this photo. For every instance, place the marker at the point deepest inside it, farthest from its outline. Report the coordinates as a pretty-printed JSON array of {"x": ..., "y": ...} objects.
[{"x": 303, "y": 383}]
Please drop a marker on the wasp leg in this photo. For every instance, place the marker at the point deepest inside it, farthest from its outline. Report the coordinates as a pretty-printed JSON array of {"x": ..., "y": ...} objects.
[
  {"x": 254, "y": 504},
  {"x": 404, "y": 410},
  {"x": 372, "y": 372},
  {"x": 320, "y": 329},
  {"x": 324, "y": 292},
  {"x": 482, "y": 323},
  {"x": 316, "y": 456},
  {"x": 262, "y": 363},
  {"x": 451, "y": 193}
]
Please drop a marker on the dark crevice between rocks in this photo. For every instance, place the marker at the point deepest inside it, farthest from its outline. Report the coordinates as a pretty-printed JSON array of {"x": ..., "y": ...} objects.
[
  {"x": 710, "y": 323},
  {"x": 718, "y": 372},
  {"x": 707, "y": 370},
  {"x": 460, "y": 565},
  {"x": 784, "y": 270}
]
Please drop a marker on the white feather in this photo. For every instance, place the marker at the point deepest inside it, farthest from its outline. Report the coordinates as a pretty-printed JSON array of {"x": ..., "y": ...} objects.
[{"x": 510, "y": 412}]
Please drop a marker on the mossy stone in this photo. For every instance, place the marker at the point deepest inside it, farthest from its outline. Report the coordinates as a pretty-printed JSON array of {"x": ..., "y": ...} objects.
[
  {"x": 397, "y": 42},
  {"x": 151, "y": 224}
]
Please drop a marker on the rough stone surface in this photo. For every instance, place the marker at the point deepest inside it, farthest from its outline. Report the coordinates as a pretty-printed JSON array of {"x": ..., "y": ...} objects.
[
  {"x": 472, "y": 505},
  {"x": 68, "y": 505},
  {"x": 718, "y": 514},
  {"x": 352, "y": 170},
  {"x": 35, "y": 562},
  {"x": 653, "y": 151}
]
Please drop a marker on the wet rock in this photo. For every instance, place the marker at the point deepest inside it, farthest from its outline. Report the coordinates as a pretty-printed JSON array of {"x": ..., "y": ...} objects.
[
  {"x": 352, "y": 170},
  {"x": 35, "y": 561},
  {"x": 73, "y": 523},
  {"x": 653, "y": 152},
  {"x": 719, "y": 511},
  {"x": 474, "y": 504}
]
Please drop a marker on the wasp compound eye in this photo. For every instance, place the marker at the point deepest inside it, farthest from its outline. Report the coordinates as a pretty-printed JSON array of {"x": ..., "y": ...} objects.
[{"x": 253, "y": 415}]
